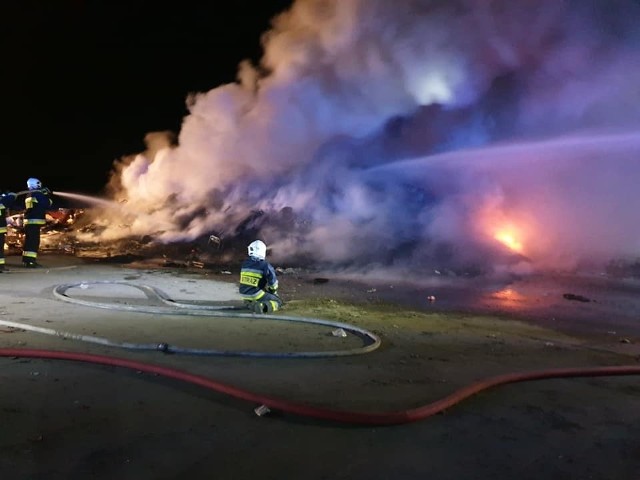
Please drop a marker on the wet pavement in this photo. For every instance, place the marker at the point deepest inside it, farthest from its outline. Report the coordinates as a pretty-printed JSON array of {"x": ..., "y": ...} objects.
[
  {"x": 587, "y": 304},
  {"x": 591, "y": 304}
]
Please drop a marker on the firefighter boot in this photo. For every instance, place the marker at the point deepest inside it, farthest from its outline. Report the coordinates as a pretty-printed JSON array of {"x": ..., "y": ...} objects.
[
  {"x": 31, "y": 265},
  {"x": 259, "y": 308}
]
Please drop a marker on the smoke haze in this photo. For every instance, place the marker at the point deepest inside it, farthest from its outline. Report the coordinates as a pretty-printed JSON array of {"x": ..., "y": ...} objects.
[{"x": 415, "y": 133}]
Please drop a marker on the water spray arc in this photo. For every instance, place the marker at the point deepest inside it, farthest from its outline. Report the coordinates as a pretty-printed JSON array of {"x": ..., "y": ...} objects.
[
  {"x": 89, "y": 199},
  {"x": 24, "y": 192}
]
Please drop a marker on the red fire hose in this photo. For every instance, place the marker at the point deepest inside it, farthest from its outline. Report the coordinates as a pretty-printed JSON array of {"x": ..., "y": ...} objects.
[{"x": 383, "y": 418}]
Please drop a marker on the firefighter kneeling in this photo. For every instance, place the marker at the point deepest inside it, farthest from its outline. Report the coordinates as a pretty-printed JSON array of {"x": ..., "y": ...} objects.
[{"x": 258, "y": 281}]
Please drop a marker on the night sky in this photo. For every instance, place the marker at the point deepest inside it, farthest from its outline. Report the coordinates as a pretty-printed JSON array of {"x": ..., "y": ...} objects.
[{"x": 83, "y": 81}]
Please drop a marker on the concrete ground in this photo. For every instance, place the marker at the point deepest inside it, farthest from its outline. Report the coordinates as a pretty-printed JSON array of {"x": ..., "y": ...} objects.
[{"x": 75, "y": 420}]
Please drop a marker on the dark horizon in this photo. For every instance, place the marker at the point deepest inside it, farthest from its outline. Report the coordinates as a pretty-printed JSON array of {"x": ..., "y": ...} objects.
[{"x": 84, "y": 82}]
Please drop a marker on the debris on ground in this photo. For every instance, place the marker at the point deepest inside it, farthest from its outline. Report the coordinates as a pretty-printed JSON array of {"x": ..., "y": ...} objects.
[
  {"x": 215, "y": 240},
  {"x": 262, "y": 410},
  {"x": 578, "y": 298},
  {"x": 339, "y": 332}
]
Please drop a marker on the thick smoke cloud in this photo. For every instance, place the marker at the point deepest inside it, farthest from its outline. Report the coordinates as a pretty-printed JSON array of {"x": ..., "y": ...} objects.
[{"x": 415, "y": 133}]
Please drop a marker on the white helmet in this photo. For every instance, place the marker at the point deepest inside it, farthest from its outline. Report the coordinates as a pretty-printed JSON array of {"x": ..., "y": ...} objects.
[
  {"x": 34, "y": 184},
  {"x": 258, "y": 249}
]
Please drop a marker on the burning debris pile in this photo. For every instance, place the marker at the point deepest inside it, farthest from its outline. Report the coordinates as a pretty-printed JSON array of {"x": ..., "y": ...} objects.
[
  {"x": 56, "y": 234},
  {"x": 63, "y": 231},
  {"x": 453, "y": 136},
  {"x": 77, "y": 232},
  {"x": 457, "y": 136}
]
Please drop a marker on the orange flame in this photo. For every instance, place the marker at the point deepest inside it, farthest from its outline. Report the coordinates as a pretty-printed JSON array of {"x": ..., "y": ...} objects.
[
  {"x": 509, "y": 238},
  {"x": 507, "y": 225}
]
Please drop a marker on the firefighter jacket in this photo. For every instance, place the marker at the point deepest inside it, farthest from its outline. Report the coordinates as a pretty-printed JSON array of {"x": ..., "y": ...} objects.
[
  {"x": 6, "y": 200},
  {"x": 36, "y": 205},
  {"x": 256, "y": 277}
]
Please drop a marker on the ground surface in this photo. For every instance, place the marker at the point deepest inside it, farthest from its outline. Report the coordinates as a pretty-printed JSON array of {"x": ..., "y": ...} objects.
[{"x": 76, "y": 420}]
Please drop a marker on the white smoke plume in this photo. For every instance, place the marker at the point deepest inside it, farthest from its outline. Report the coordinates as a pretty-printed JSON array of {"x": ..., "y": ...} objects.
[{"x": 414, "y": 132}]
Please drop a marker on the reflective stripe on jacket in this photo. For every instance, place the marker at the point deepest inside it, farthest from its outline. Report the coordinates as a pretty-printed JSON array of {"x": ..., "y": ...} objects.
[
  {"x": 36, "y": 205},
  {"x": 255, "y": 277},
  {"x": 6, "y": 201}
]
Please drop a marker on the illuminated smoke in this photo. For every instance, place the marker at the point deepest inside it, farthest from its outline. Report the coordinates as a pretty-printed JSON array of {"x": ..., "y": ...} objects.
[{"x": 421, "y": 133}]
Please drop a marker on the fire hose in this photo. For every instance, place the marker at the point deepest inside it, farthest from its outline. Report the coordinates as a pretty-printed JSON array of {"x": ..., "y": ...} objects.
[
  {"x": 24, "y": 192},
  {"x": 269, "y": 403},
  {"x": 340, "y": 416},
  {"x": 172, "y": 307}
]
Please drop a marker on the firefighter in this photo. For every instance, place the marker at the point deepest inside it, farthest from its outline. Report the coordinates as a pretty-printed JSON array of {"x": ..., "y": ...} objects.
[
  {"x": 36, "y": 204},
  {"x": 258, "y": 281},
  {"x": 6, "y": 201}
]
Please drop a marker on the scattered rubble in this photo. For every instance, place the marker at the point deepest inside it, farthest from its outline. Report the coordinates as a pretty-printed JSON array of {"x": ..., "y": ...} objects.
[
  {"x": 213, "y": 239},
  {"x": 339, "y": 332},
  {"x": 578, "y": 298},
  {"x": 288, "y": 270},
  {"x": 262, "y": 410},
  {"x": 74, "y": 232}
]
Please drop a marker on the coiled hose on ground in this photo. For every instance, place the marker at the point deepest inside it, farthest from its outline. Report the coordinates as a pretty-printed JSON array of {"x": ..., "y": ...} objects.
[{"x": 167, "y": 306}]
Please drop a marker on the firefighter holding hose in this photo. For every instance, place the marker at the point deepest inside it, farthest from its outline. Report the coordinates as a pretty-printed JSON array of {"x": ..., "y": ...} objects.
[{"x": 36, "y": 203}]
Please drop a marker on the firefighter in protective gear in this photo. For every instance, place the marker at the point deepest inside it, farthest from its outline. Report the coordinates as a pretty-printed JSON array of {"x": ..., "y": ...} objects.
[
  {"x": 6, "y": 201},
  {"x": 36, "y": 205},
  {"x": 258, "y": 281}
]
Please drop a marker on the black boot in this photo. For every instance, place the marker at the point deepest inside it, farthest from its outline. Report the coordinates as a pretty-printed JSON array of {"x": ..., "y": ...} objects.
[
  {"x": 259, "y": 308},
  {"x": 31, "y": 265}
]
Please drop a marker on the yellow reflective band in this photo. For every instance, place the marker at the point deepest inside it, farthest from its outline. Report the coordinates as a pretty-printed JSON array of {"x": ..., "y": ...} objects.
[
  {"x": 249, "y": 279},
  {"x": 256, "y": 296},
  {"x": 250, "y": 273},
  {"x": 3, "y": 229},
  {"x": 30, "y": 254},
  {"x": 34, "y": 221}
]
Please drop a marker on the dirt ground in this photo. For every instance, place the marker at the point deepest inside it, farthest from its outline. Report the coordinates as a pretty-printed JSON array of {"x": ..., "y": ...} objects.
[{"x": 66, "y": 419}]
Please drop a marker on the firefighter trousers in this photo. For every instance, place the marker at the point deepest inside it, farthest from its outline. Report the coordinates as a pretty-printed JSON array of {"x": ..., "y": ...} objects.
[
  {"x": 2, "y": 260},
  {"x": 31, "y": 243},
  {"x": 269, "y": 303}
]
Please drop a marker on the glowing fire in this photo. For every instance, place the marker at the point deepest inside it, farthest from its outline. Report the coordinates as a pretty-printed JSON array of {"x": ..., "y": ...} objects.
[
  {"x": 510, "y": 227},
  {"x": 509, "y": 238}
]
